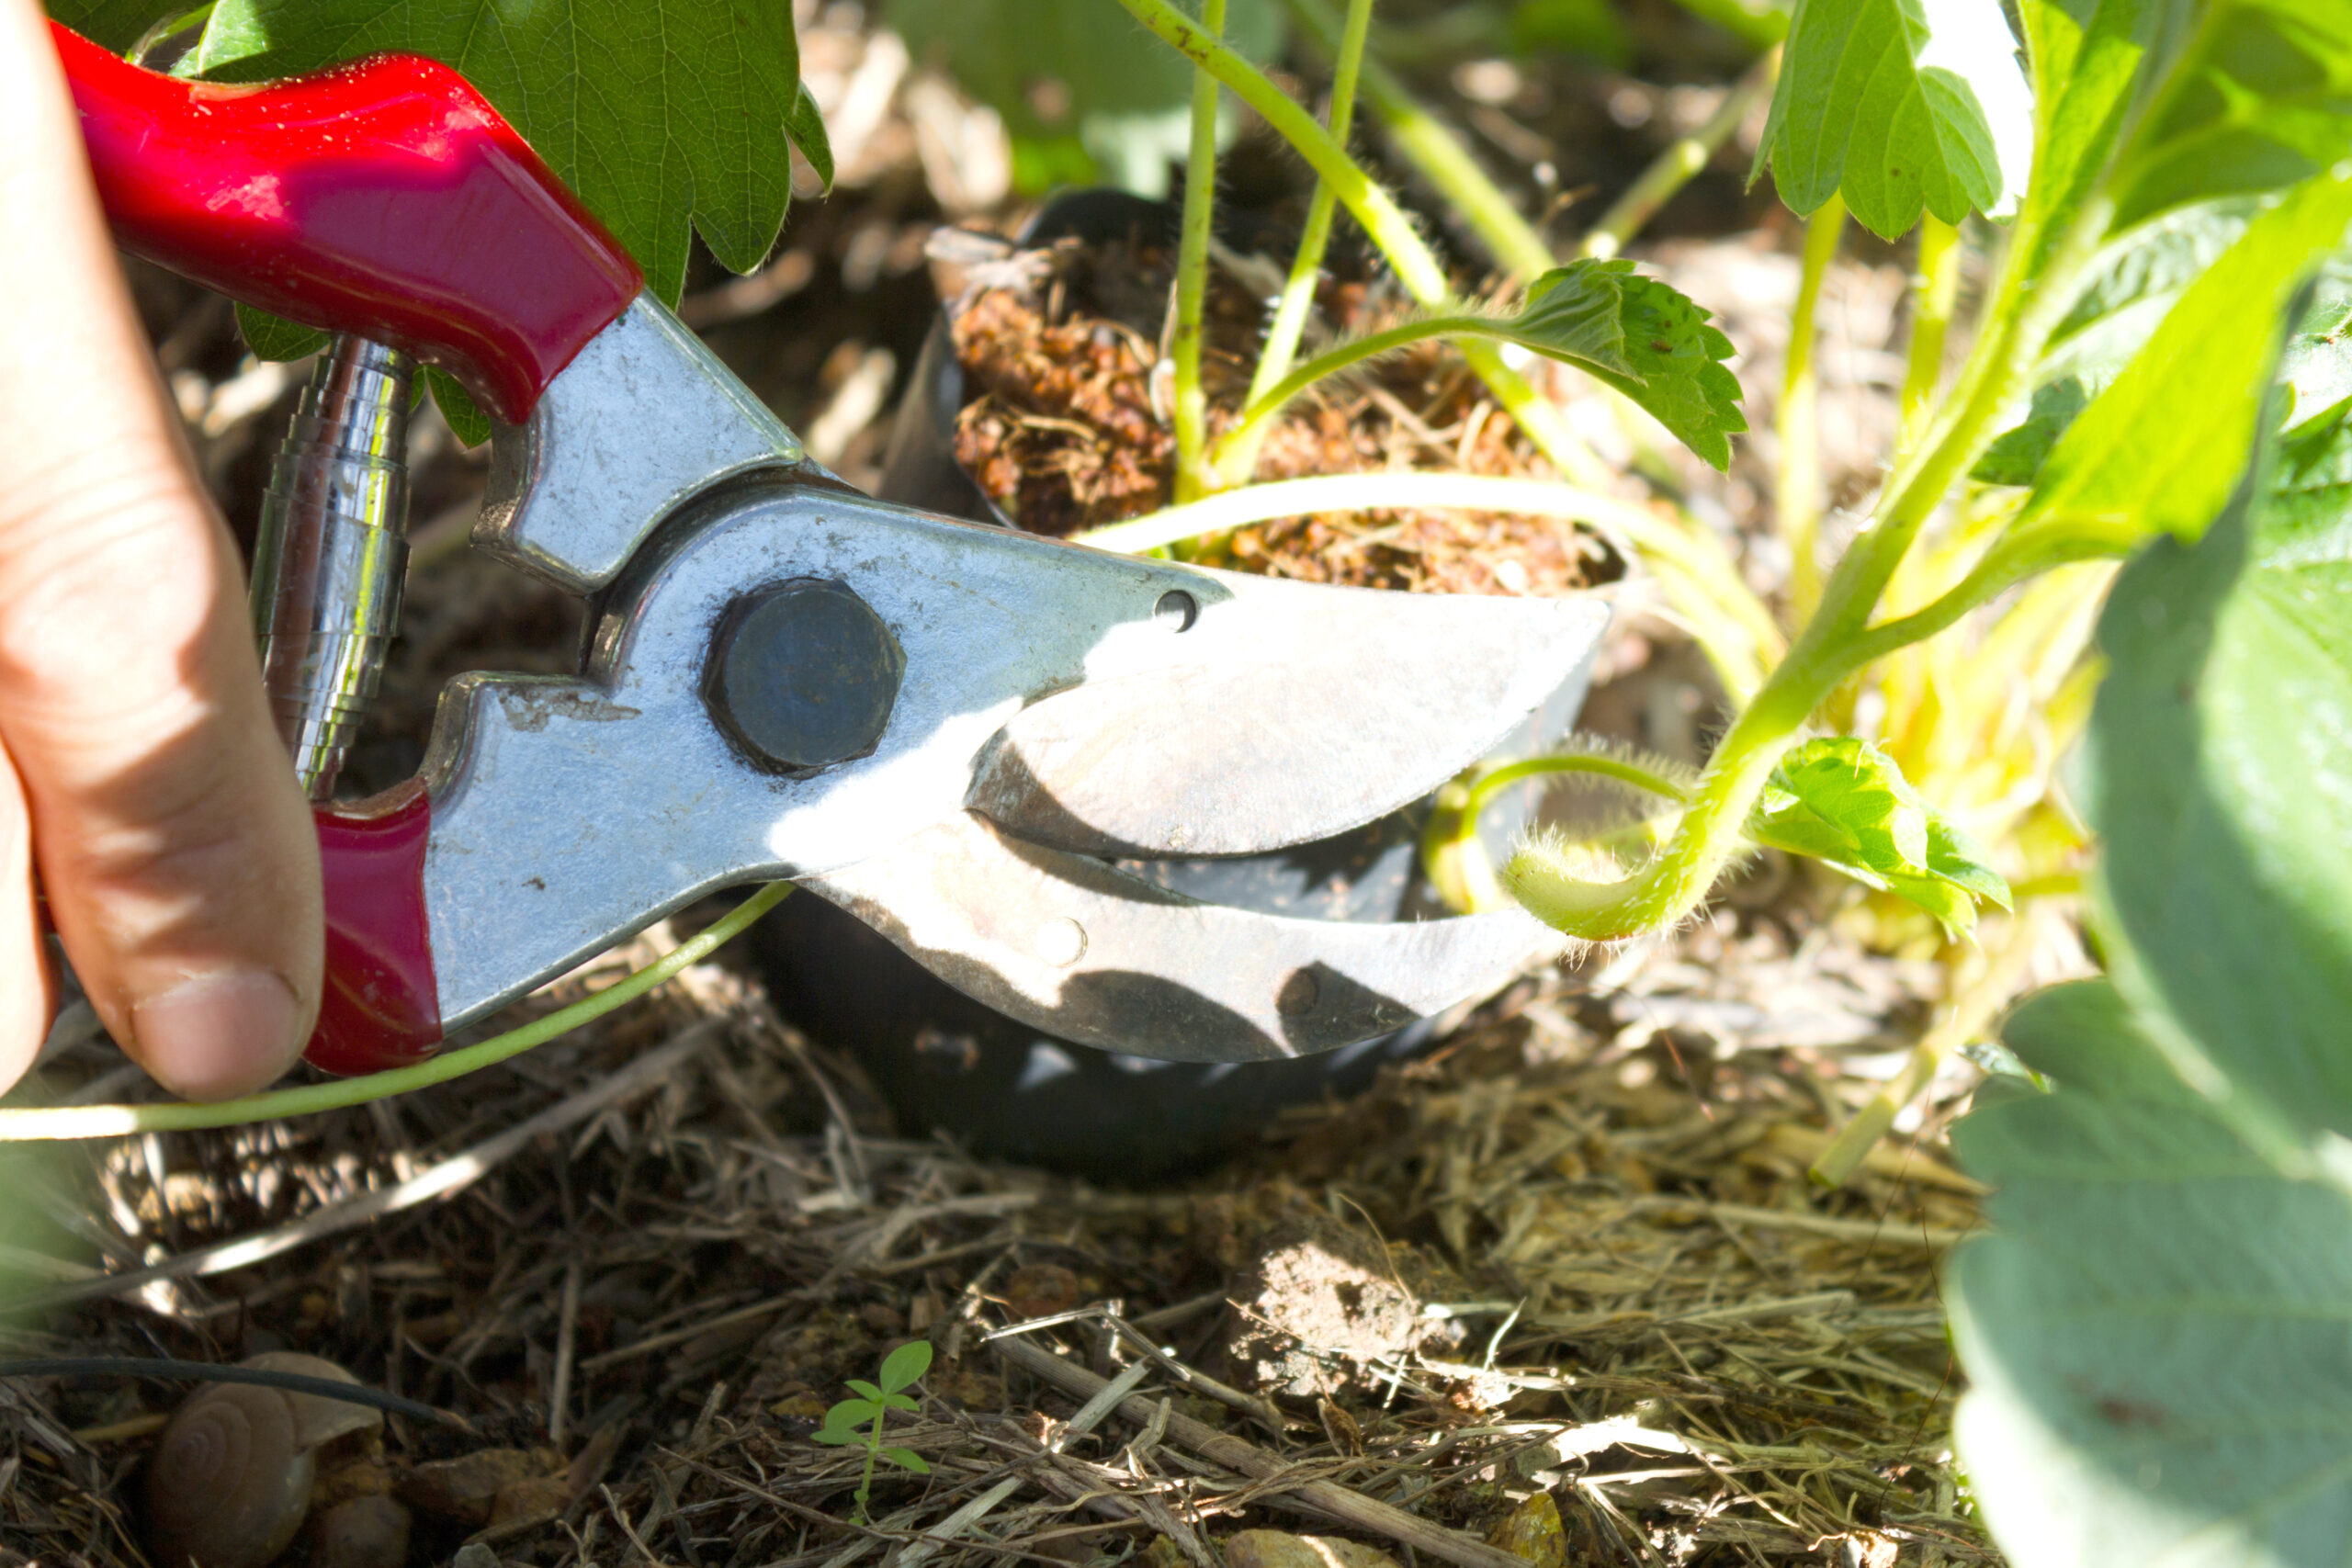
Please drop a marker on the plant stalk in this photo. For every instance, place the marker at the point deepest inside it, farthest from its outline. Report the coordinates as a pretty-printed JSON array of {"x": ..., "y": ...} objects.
[
  {"x": 1192, "y": 275},
  {"x": 1423, "y": 141},
  {"x": 1935, "y": 294},
  {"x": 1797, "y": 492},
  {"x": 37, "y": 1123},
  {"x": 1237, "y": 456},
  {"x": 2022, "y": 313},
  {"x": 1681, "y": 163}
]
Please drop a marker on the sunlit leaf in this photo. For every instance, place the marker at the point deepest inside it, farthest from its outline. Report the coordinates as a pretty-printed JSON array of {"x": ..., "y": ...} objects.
[
  {"x": 2162, "y": 447},
  {"x": 1642, "y": 337},
  {"x": 1897, "y": 105},
  {"x": 1844, "y": 802}
]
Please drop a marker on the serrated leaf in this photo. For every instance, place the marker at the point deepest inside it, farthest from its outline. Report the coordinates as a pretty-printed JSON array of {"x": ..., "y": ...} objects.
[
  {"x": 907, "y": 1458},
  {"x": 2162, "y": 447},
  {"x": 660, "y": 113},
  {"x": 2216, "y": 762},
  {"x": 1122, "y": 92},
  {"x": 2152, "y": 1330},
  {"x": 1896, "y": 105},
  {"x": 903, "y": 1367},
  {"x": 1642, "y": 337},
  {"x": 1844, "y": 802},
  {"x": 276, "y": 338}
]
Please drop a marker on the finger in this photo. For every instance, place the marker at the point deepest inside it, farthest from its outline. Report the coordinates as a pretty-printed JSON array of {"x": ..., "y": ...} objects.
[
  {"x": 174, "y": 845},
  {"x": 27, "y": 994}
]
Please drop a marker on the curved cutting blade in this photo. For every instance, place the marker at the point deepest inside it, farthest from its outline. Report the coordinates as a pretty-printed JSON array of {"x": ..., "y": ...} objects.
[
  {"x": 1089, "y": 953},
  {"x": 1307, "y": 711}
]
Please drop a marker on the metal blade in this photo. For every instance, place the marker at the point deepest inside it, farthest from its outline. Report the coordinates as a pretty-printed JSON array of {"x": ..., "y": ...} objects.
[
  {"x": 1089, "y": 953},
  {"x": 1313, "y": 712}
]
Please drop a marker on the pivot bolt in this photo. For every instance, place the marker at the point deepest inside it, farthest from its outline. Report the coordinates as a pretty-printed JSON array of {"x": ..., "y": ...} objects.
[{"x": 803, "y": 674}]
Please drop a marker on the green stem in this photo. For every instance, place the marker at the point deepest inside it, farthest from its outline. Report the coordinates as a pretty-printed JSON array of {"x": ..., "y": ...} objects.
[
  {"x": 1797, "y": 492},
  {"x": 1266, "y": 406},
  {"x": 1383, "y": 220},
  {"x": 2022, "y": 312},
  {"x": 2007, "y": 563},
  {"x": 1935, "y": 294},
  {"x": 1452, "y": 857},
  {"x": 35, "y": 1123},
  {"x": 1422, "y": 140},
  {"x": 1236, "y": 457},
  {"x": 1681, "y": 163},
  {"x": 1193, "y": 274}
]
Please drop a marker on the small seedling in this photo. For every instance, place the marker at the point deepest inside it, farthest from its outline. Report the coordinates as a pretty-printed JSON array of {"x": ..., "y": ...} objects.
[{"x": 859, "y": 1421}]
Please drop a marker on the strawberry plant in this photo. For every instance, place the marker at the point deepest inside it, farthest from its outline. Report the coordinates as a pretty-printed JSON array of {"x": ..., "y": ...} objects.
[{"x": 2156, "y": 377}]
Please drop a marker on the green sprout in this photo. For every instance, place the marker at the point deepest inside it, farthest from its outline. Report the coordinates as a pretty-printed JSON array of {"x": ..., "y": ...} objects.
[{"x": 859, "y": 1421}]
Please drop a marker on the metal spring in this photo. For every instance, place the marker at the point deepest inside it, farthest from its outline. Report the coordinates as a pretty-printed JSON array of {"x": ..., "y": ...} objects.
[{"x": 332, "y": 552}]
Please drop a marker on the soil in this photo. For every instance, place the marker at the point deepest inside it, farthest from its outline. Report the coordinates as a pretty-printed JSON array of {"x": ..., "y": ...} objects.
[{"x": 1064, "y": 427}]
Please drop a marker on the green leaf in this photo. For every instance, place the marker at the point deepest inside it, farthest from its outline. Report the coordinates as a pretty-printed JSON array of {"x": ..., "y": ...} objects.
[
  {"x": 907, "y": 1458},
  {"x": 114, "y": 24},
  {"x": 837, "y": 1436},
  {"x": 805, "y": 126},
  {"x": 2162, "y": 447},
  {"x": 2264, "y": 102},
  {"x": 852, "y": 1411},
  {"x": 867, "y": 1389},
  {"x": 905, "y": 1366},
  {"x": 276, "y": 338},
  {"x": 1056, "y": 68},
  {"x": 466, "y": 420},
  {"x": 1642, "y": 337},
  {"x": 2132, "y": 284},
  {"x": 1898, "y": 104},
  {"x": 658, "y": 114},
  {"x": 2217, "y": 762},
  {"x": 2153, "y": 1329},
  {"x": 901, "y": 1402},
  {"x": 1843, "y": 801}
]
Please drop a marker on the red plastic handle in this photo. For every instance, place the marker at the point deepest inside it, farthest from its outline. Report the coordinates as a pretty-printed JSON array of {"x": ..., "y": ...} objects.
[
  {"x": 386, "y": 199},
  {"x": 381, "y": 1008}
]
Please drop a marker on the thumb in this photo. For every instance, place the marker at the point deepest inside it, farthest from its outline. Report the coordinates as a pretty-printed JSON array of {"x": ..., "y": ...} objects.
[{"x": 172, "y": 841}]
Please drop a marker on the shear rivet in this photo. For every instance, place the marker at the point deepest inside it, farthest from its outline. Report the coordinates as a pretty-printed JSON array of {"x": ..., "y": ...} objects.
[
  {"x": 1298, "y": 993},
  {"x": 1061, "y": 941},
  {"x": 803, "y": 674},
  {"x": 1177, "y": 610}
]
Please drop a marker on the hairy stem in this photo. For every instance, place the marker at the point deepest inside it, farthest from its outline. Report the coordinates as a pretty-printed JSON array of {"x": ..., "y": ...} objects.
[
  {"x": 1681, "y": 163},
  {"x": 2022, "y": 312},
  {"x": 1423, "y": 141},
  {"x": 1797, "y": 497},
  {"x": 1935, "y": 293},
  {"x": 116, "y": 1120},
  {"x": 1237, "y": 456},
  {"x": 1266, "y": 405},
  {"x": 1193, "y": 274}
]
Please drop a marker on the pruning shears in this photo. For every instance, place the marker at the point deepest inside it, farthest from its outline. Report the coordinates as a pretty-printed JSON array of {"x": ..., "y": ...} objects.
[{"x": 956, "y": 732}]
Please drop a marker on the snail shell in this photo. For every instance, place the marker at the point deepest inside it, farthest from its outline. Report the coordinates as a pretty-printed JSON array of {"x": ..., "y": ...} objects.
[{"x": 231, "y": 1475}]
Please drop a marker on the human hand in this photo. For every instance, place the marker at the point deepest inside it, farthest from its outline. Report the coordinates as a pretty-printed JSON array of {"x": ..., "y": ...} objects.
[{"x": 140, "y": 772}]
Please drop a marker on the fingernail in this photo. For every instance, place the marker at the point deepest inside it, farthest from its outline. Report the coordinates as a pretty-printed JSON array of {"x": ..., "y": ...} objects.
[{"x": 218, "y": 1035}]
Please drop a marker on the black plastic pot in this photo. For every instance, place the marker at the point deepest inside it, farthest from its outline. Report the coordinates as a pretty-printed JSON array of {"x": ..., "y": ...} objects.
[{"x": 947, "y": 1062}]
